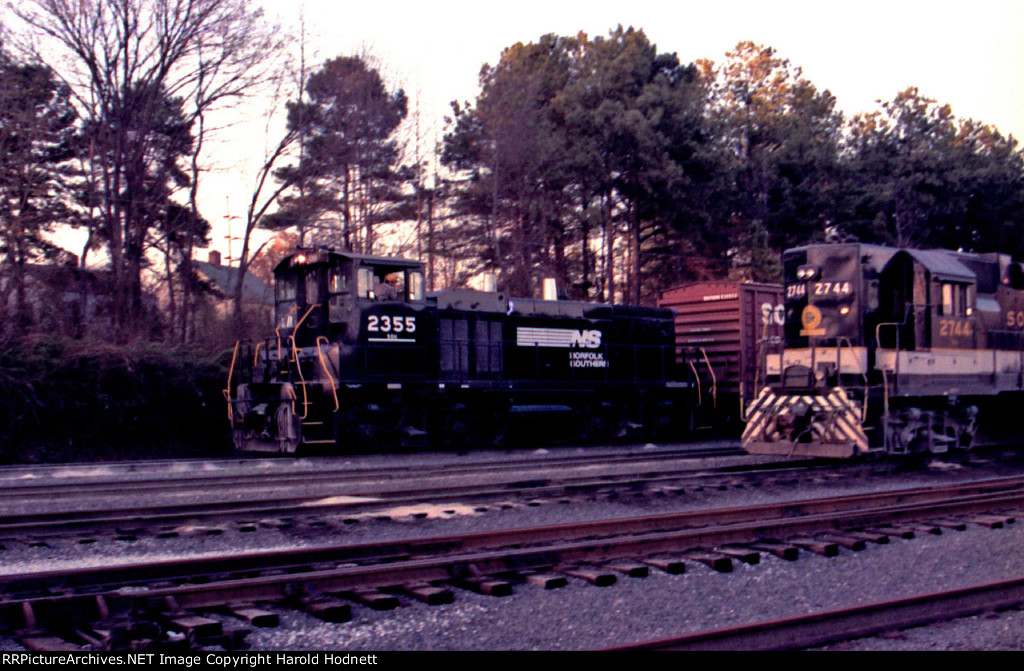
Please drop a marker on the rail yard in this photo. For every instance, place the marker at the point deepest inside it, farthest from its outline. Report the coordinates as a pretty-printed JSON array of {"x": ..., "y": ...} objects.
[{"x": 675, "y": 547}]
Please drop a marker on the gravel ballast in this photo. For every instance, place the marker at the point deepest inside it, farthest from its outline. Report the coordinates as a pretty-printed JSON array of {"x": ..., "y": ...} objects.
[{"x": 582, "y": 616}]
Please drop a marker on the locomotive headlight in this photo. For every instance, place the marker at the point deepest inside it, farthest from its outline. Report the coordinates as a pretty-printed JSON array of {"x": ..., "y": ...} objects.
[
  {"x": 805, "y": 273},
  {"x": 845, "y": 310}
]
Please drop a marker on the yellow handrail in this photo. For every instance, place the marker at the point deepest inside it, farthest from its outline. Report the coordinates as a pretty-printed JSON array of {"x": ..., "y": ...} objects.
[
  {"x": 231, "y": 372},
  {"x": 298, "y": 365},
  {"x": 320, "y": 355},
  {"x": 714, "y": 380}
]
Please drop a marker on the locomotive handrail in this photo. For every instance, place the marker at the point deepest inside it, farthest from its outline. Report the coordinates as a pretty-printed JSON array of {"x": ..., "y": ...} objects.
[
  {"x": 696, "y": 377},
  {"x": 302, "y": 380},
  {"x": 320, "y": 355},
  {"x": 231, "y": 372},
  {"x": 714, "y": 380},
  {"x": 277, "y": 332},
  {"x": 298, "y": 364}
]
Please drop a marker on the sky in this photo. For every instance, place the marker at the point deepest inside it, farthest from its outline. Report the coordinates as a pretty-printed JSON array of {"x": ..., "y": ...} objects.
[{"x": 967, "y": 54}]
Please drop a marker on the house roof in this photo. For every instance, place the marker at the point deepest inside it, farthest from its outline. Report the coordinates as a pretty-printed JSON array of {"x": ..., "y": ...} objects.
[{"x": 224, "y": 277}]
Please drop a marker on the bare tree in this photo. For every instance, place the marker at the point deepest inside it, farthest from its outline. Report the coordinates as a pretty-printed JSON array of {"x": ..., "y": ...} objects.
[{"x": 123, "y": 59}]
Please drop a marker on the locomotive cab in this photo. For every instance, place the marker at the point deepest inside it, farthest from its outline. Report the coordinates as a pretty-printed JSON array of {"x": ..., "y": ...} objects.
[{"x": 321, "y": 293}]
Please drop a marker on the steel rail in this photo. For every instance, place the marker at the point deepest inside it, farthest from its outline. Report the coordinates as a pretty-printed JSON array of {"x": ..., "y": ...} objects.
[
  {"x": 360, "y": 500},
  {"x": 120, "y": 482},
  {"x": 601, "y": 540},
  {"x": 822, "y": 628}
]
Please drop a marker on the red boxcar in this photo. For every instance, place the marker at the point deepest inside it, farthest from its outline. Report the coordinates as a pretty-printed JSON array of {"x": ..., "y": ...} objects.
[{"x": 725, "y": 331}]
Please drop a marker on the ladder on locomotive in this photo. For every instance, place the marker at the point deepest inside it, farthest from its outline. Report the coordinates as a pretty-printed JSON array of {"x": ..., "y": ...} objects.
[{"x": 301, "y": 374}]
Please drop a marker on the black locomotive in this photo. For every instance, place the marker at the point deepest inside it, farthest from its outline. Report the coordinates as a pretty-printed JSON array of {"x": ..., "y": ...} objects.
[
  {"x": 362, "y": 356},
  {"x": 892, "y": 350}
]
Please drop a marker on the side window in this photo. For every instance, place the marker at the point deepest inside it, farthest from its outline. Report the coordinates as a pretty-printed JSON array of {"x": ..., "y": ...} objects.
[
  {"x": 954, "y": 299},
  {"x": 285, "y": 287},
  {"x": 365, "y": 280},
  {"x": 416, "y": 292},
  {"x": 337, "y": 281},
  {"x": 312, "y": 288},
  {"x": 339, "y": 300}
]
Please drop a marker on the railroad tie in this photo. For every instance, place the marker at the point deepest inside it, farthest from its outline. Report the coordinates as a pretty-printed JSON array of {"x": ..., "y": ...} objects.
[
  {"x": 630, "y": 568},
  {"x": 593, "y": 575},
  {"x": 328, "y": 609},
  {"x": 848, "y": 542},
  {"x": 670, "y": 565},
  {"x": 816, "y": 545},
  {"x": 786, "y": 551},
  {"x": 900, "y": 531},
  {"x": 546, "y": 580},
  {"x": 484, "y": 585},
  {"x": 745, "y": 555},
  {"x": 718, "y": 562},
  {"x": 870, "y": 536},
  {"x": 429, "y": 594},
  {"x": 255, "y": 616},
  {"x": 373, "y": 598}
]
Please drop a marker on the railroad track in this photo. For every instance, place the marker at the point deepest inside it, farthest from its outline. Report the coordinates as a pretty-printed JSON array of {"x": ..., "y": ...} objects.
[
  {"x": 356, "y": 499},
  {"x": 823, "y": 628},
  {"x": 30, "y": 483},
  {"x": 325, "y": 581}
]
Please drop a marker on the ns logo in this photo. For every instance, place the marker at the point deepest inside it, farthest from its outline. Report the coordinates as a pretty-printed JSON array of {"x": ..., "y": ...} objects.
[{"x": 589, "y": 339}]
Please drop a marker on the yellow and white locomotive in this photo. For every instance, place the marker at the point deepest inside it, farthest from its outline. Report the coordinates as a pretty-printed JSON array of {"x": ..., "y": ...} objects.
[{"x": 891, "y": 350}]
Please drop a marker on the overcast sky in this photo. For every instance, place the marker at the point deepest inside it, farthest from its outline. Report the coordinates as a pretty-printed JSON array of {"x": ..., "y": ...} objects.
[{"x": 967, "y": 54}]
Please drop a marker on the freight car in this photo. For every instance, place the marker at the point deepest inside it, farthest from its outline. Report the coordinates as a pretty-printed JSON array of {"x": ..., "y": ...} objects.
[
  {"x": 361, "y": 356},
  {"x": 725, "y": 333},
  {"x": 892, "y": 351}
]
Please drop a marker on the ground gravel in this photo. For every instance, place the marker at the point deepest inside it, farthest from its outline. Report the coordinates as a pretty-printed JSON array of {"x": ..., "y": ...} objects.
[{"x": 581, "y": 616}]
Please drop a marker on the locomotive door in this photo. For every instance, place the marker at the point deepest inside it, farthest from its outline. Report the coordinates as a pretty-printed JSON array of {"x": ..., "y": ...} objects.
[{"x": 902, "y": 304}]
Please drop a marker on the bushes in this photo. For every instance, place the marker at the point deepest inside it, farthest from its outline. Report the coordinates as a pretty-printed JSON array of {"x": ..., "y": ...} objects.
[{"x": 67, "y": 400}]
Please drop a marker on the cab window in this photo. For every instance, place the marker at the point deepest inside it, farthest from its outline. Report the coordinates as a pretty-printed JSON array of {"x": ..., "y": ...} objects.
[
  {"x": 415, "y": 285},
  {"x": 365, "y": 281}
]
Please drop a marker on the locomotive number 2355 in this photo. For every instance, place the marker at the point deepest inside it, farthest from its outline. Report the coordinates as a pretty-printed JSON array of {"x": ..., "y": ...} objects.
[{"x": 390, "y": 324}]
